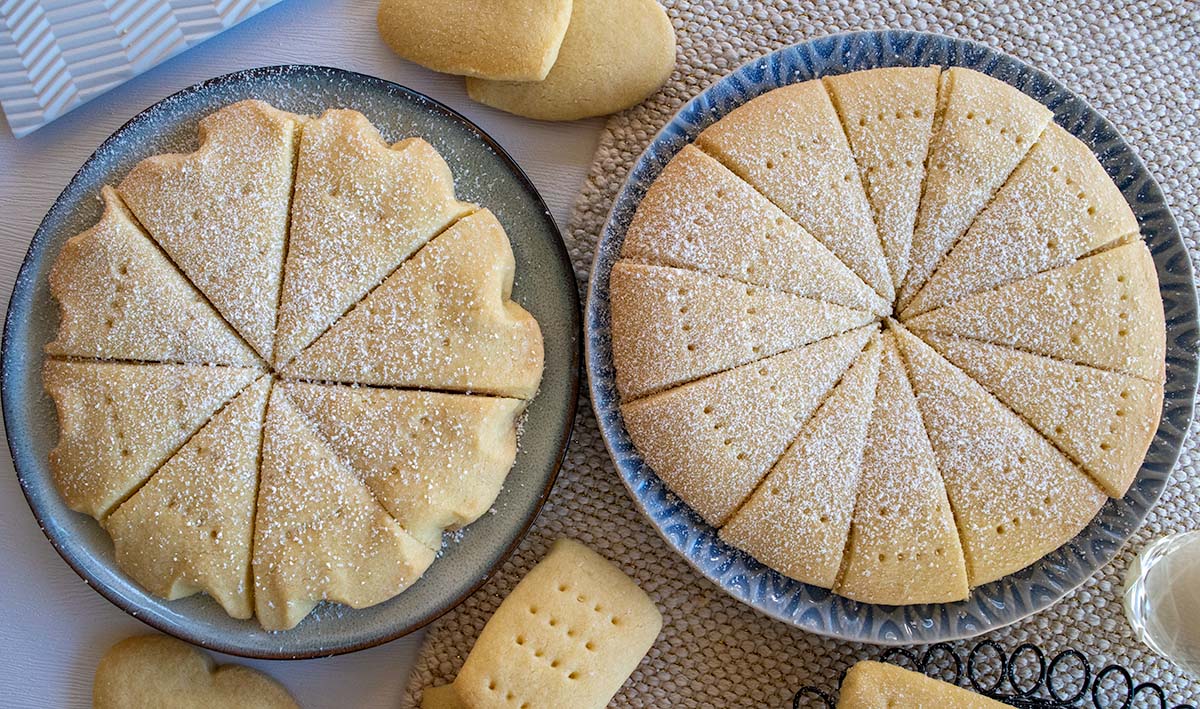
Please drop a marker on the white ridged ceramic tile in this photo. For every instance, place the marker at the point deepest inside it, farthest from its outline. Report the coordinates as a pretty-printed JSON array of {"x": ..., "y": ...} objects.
[{"x": 57, "y": 54}]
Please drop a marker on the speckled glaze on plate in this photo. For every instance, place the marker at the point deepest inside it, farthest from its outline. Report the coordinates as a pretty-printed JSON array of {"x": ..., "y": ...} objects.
[
  {"x": 545, "y": 285},
  {"x": 990, "y": 606}
]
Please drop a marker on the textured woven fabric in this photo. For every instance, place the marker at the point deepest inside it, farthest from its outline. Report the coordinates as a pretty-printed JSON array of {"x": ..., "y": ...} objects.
[{"x": 1137, "y": 64}]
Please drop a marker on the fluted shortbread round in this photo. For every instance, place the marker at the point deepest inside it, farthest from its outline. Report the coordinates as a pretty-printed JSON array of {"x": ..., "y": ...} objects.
[
  {"x": 894, "y": 332},
  {"x": 286, "y": 363}
]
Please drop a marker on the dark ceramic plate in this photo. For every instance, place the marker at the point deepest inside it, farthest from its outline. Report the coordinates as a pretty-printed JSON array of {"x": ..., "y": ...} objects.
[
  {"x": 995, "y": 604},
  {"x": 545, "y": 286}
]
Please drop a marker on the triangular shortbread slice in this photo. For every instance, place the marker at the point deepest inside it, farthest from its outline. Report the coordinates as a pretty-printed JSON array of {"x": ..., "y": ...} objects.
[
  {"x": 878, "y": 685},
  {"x": 1015, "y": 497},
  {"x": 221, "y": 213},
  {"x": 1104, "y": 311},
  {"x": 797, "y": 520},
  {"x": 983, "y": 130},
  {"x": 319, "y": 535},
  {"x": 712, "y": 440},
  {"x": 701, "y": 216},
  {"x": 1103, "y": 420},
  {"x": 120, "y": 298},
  {"x": 888, "y": 117},
  {"x": 117, "y": 423},
  {"x": 443, "y": 320},
  {"x": 903, "y": 547},
  {"x": 434, "y": 461},
  {"x": 789, "y": 144},
  {"x": 360, "y": 208},
  {"x": 189, "y": 528},
  {"x": 1058, "y": 205},
  {"x": 670, "y": 326}
]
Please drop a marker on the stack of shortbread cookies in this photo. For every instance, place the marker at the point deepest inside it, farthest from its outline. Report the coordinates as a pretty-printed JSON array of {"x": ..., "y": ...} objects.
[
  {"x": 286, "y": 363},
  {"x": 893, "y": 332}
]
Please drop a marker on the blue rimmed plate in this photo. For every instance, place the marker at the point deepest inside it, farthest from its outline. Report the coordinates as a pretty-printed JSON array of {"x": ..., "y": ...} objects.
[
  {"x": 996, "y": 604},
  {"x": 545, "y": 286}
]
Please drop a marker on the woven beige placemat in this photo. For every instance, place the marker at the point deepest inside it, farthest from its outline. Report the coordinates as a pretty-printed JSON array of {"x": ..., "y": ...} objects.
[{"x": 1137, "y": 64}]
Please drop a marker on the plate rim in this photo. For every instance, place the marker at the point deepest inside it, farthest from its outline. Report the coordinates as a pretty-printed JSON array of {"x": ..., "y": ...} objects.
[
  {"x": 22, "y": 299},
  {"x": 609, "y": 418}
]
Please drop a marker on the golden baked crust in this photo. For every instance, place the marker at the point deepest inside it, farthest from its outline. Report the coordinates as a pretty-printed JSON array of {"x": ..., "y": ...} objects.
[
  {"x": 672, "y": 326},
  {"x": 1012, "y": 253},
  {"x": 440, "y": 321},
  {"x": 268, "y": 493},
  {"x": 221, "y": 213},
  {"x": 614, "y": 54},
  {"x": 507, "y": 40},
  {"x": 880, "y": 685},
  {"x": 121, "y": 299}
]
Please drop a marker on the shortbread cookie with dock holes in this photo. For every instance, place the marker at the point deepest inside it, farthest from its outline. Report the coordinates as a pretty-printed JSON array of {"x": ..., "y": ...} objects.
[{"x": 568, "y": 635}]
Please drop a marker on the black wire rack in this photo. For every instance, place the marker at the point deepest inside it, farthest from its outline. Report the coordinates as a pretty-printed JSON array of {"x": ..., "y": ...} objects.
[{"x": 1022, "y": 678}]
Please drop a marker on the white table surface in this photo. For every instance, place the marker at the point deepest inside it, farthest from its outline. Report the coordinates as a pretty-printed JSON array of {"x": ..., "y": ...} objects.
[{"x": 53, "y": 627}]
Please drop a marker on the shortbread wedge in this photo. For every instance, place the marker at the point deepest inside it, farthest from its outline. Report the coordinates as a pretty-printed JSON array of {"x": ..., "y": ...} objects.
[
  {"x": 189, "y": 528},
  {"x": 319, "y": 535},
  {"x": 120, "y": 298},
  {"x": 1058, "y": 205},
  {"x": 983, "y": 130},
  {"x": 672, "y": 326},
  {"x": 888, "y": 117},
  {"x": 444, "y": 320},
  {"x": 789, "y": 144},
  {"x": 118, "y": 423},
  {"x": 712, "y": 440},
  {"x": 360, "y": 208},
  {"x": 797, "y": 519},
  {"x": 1102, "y": 420},
  {"x": 1015, "y": 497},
  {"x": 434, "y": 461},
  {"x": 221, "y": 213},
  {"x": 1104, "y": 311},
  {"x": 903, "y": 545},
  {"x": 879, "y": 685},
  {"x": 698, "y": 215}
]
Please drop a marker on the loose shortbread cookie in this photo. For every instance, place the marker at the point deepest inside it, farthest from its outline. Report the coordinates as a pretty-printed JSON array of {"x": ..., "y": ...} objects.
[
  {"x": 614, "y": 54},
  {"x": 789, "y": 144},
  {"x": 701, "y": 216},
  {"x": 1015, "y": 497},
  {"x": 443, "y": 320},
  {"x": 903, "y": 545},
  {"x": 1104, "y": 311},
  {"x": 189, "y": 528},
  {"x": 1058, "y": 205},
  {"x": 878, "y": 685},
  {"x": 798, "y": 518},
  {"x": 221, "y": 213},
  {"x": 164, "y": 673},
  {"x": 568, "y": 635},
  {"x": 1103, "y": 420},
  {"x": 319, "y": 534},
  {"x": 888, "y": 117},
  {"x": 712, "y": 440},
  {"x": 120, "y": 298},
  {"x": 671, "y": 326},
  {"x": 434, "y": 461},
  {"x": 117, "y": 423},
  {"x": 360, "y": 208},
  {"x": 504, "y": 40},
  {"x": 983, "y": 130}
]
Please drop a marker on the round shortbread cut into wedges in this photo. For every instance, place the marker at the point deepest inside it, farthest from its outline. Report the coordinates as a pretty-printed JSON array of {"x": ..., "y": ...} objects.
[
  {"x": 615, "y": 53},
  {"x": 221, "y": 326},
  {"x": 1019, "y": 387}
]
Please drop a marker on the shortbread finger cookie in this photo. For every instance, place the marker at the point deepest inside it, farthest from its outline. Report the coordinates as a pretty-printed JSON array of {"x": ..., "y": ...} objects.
[
  {"x": 615, "y": 53},
  {"x": 503, "y": 40},
  {"x": 568, "y": 635},
  {"x": 161, "y": 672},
  {"x": 878, "y": 685}
]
